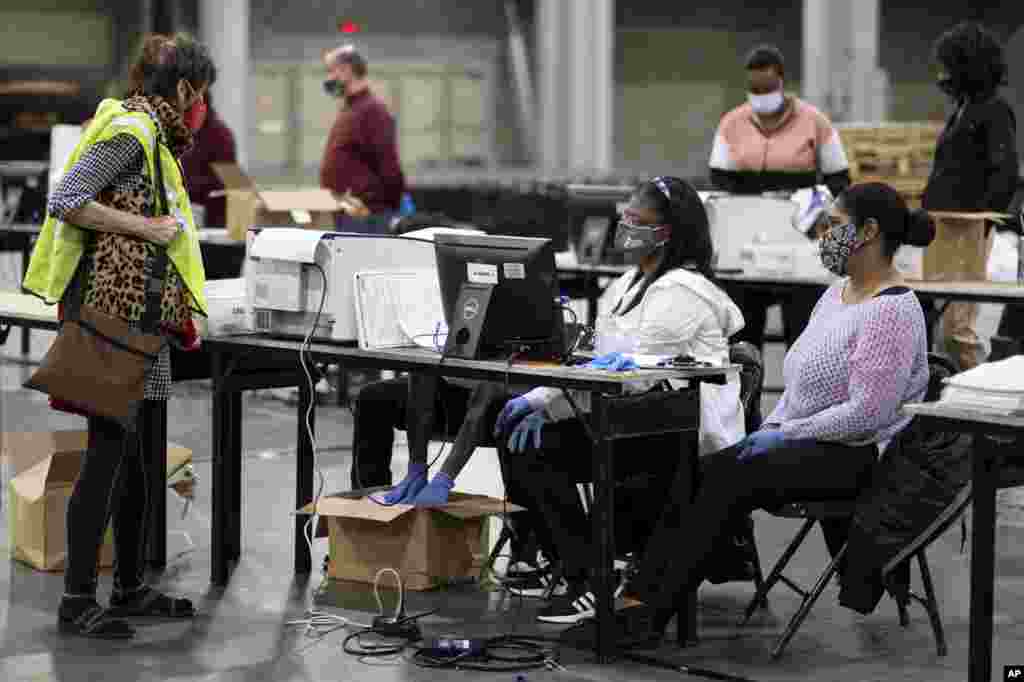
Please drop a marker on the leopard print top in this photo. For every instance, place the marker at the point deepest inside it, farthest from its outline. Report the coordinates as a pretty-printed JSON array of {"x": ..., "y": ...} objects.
[{"x": 113, "y": 174}]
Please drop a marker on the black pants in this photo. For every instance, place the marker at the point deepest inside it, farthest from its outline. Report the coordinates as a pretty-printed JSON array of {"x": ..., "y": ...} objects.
[
  {"x": 112, "y": 483},
  {"x": 693, "y": 525},
  {"x": 382, "y": 407},
  {"x": 796, "y": 312},
  {"x": 1011, "y": 324},
  {"x": 544, "y": 482}
]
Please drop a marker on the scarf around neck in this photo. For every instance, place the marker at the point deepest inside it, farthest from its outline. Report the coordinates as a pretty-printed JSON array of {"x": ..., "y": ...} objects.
[{"x": 169, "y": 121}]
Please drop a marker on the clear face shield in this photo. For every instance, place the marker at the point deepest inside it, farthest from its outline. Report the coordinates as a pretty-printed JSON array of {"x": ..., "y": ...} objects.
[{"x": 811, "y": 210}]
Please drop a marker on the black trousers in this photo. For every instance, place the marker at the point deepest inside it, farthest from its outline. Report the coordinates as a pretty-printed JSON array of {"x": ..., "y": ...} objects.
[
  {"x": 382, "y": 407},
  {"x": 112, "y": 484},
  {"x": 693, "y": 524},
  {"x": 544, "y": 481},
  {"x": 1011, "y": 324}
]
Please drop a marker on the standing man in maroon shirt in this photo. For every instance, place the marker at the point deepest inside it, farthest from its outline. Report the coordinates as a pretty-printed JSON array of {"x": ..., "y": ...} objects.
[{"x": 362, "y": 150}]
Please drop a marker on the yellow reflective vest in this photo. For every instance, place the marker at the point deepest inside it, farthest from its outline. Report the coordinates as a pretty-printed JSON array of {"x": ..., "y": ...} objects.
[{"x": 60, "y": 245}]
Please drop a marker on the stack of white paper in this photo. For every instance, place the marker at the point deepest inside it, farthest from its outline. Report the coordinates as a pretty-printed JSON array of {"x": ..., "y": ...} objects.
[
  {"x": 399, "y": 308},
  {"x": 993, "y": 387}
]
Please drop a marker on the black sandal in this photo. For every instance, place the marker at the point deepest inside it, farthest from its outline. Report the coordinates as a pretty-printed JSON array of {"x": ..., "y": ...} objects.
[
  {"x": 96, "y": 622},
  {"x": 149, "y": 603}
]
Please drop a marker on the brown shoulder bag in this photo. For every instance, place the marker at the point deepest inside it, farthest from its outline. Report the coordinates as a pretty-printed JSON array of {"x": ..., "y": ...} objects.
[{"x": 98, "y": 363}]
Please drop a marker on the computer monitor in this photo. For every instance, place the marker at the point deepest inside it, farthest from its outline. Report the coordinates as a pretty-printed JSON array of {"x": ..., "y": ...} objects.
[{"x": 500, "y": 296}]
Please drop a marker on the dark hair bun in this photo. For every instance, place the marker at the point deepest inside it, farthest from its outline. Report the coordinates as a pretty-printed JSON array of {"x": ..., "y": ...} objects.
[{"x": 920, "y": 228}]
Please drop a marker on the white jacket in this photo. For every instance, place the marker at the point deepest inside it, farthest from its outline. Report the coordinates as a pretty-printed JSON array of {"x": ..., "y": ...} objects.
[{"x": 681, "y": 313}]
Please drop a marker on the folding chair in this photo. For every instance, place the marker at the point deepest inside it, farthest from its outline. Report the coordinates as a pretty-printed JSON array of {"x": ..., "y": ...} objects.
[{"x": 815, "y": 512}]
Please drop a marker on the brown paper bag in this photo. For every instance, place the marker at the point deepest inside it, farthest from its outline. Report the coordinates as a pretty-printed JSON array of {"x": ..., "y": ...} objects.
[{"x": 959, "y": 252}]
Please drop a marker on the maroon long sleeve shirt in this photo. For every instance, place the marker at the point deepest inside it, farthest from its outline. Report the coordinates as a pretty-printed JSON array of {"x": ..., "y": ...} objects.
[
  {"x": 214, "y": 143},
  {"x": 362, "y": 154}
]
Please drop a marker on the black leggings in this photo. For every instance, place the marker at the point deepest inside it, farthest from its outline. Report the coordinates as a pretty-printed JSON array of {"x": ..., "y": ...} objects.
[
  {"x": 544, "y": 482},
  {"x": 112, "y": 484},
  {"x": 382, "y": 407},
  {"x": 692, "y": 526}
]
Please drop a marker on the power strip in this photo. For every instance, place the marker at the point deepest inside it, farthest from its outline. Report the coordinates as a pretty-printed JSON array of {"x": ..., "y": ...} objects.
[{"x": 451, "y": 646}]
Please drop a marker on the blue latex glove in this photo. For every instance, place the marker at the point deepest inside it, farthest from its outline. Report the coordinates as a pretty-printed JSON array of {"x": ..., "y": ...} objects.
[
  {"x": 613, "y": 362},
  {"x": 530, "y": 427},
  {"x": 404, "y": 493},
  {"x": 514, "y": 410},
  {"x": 436, "y": 492},
  {"x": 759, "y": 443}
]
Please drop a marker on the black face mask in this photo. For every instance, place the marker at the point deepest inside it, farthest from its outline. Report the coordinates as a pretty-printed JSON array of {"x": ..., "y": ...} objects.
[{"x": 334, "y": 88}]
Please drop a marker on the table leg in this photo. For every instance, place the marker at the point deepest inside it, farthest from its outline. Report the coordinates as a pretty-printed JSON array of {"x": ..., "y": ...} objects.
[
  {"x": 593, "y": 295},
  {"x": 235, "y": 472},
  {"x": 304, "y": 465},
  {"x": 220, "y": 545},
  {"x": 604, "y": 530},
  {"x": 342, "y": 386},
  {"x": 26, "y": 256},
  {"x": 983, "y": 559},
  {"x": 154, "y": 441}
]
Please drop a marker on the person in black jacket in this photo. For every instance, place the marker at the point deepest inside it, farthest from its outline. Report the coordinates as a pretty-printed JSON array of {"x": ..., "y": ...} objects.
[{"x": 975, "y": 169}]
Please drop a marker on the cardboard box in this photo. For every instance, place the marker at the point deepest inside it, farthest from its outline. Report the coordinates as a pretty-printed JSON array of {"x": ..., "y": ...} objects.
[
  {"x": 248, "y": 206},
  {"x": 427, "y": 546},
  {"x": 44, "y": 468}
]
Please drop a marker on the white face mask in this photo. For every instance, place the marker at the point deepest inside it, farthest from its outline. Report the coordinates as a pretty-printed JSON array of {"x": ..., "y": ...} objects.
[{"x": 766, "y": 104}]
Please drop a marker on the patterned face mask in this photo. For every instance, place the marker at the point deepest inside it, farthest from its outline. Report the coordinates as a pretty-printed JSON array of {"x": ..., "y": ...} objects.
[{"x": 836, "y": 246}]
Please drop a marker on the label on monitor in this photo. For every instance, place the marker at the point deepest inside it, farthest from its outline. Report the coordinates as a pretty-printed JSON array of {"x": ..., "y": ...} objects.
[
  {"x": 515, "y": 271},
  {"x": 482, "y": 273}
]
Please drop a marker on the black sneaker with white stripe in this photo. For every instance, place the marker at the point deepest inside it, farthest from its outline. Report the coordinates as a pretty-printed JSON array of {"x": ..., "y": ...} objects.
[{"x": 578, "y": 604}]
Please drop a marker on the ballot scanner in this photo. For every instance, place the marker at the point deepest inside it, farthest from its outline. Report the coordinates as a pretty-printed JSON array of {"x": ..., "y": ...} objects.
[{"x": 296, "y": 277}]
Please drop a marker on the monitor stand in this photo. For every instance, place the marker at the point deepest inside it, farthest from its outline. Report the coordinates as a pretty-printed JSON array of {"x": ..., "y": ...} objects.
[{"x": 467, "y": 323}]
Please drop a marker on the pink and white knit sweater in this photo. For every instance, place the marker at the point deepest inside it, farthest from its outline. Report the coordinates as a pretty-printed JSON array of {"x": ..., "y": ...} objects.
[{"x": 852, "y": 369}]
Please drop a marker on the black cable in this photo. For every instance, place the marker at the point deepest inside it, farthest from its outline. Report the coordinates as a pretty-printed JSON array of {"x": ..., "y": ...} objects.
[
  {"x": 374, "y": 650},
  {"x": 310, "y": 528},
  {"x": 682, "y": 668},
  {"x": 535, "y": 653}
]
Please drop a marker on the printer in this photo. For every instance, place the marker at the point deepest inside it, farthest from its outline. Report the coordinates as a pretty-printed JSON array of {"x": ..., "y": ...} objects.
[{"x": 291, "y": 271}]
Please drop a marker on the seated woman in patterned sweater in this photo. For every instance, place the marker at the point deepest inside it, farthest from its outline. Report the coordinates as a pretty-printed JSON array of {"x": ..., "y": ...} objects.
[{"x": 861, "y": 357}]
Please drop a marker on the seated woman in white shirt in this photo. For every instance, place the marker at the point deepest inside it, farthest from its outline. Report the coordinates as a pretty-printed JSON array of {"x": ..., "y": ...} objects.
[{"x": 666, "y": 305}]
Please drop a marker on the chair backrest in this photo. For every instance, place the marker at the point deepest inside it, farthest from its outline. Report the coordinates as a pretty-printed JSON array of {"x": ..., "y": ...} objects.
[
  {"x": 751, "y": 381},
  {"x": 940, "y": 368}
]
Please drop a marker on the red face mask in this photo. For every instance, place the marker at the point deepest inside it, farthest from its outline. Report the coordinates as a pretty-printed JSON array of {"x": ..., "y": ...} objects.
[{"x": 195, "y": 115}]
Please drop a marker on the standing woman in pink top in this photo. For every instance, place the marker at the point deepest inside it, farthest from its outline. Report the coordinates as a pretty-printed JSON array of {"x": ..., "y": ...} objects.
[
  {"x": 862, "y": 356},
  {"x": 775, "y": 142}
]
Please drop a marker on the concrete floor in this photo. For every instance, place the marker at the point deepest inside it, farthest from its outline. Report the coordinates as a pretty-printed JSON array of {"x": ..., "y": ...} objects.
[{"x": 243, "y": 633}]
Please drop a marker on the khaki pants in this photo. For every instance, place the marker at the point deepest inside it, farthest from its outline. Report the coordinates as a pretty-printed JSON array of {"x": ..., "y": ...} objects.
[{"x": 959, "y": 253}]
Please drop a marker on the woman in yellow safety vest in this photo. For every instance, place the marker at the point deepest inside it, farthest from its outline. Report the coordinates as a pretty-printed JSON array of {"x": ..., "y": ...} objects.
[{"x": 101, "y": 233}]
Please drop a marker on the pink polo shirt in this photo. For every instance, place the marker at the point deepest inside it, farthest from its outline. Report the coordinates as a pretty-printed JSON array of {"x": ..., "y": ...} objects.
[{"x": 805, "y": 142}]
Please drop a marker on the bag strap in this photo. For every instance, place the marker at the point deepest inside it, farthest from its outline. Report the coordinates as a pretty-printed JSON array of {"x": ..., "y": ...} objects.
[{"x": 158, "y": 267}]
